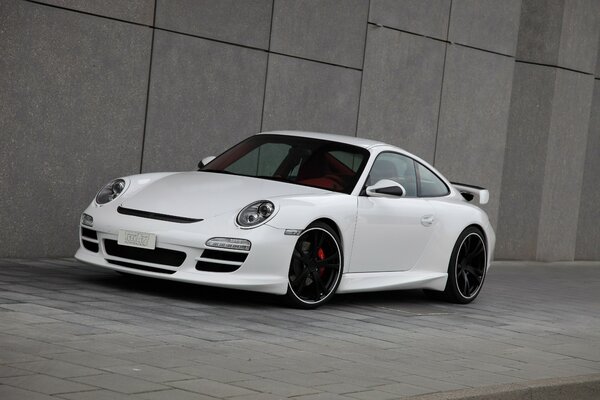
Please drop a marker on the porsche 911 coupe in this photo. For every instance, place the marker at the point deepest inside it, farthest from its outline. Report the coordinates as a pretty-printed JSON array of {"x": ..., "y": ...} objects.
[{"x": 300, "y": 214}]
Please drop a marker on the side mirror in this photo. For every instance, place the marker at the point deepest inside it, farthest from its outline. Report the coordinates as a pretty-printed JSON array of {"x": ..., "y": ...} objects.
[
  {"x": 386, "y": 188},
  {"x": 205, "y": 161}
]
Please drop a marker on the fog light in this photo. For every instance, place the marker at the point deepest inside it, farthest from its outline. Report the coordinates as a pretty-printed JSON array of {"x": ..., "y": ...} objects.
[
  {"x": 229, "y": 243},
  {"x": 87, "y": 220}
]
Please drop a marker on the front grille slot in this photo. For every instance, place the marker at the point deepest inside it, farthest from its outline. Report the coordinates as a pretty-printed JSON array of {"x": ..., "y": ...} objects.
[
  {"x": 140, "y": 267},
  {"x": 89, "y": 239},
  {"x": 216, "y": 267},
  {"x": 224, "y": 255},
  {"x": 90, "y": 246},
  {"x": 220, "y": 261},
  {"x": 159, "y": 255},
  {"x": 88, "y": 233},
  {"x": 152, "y": 215}
]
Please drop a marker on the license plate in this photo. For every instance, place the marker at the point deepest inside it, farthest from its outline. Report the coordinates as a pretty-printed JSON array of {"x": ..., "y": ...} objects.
[{"x": 137, "y": 239}]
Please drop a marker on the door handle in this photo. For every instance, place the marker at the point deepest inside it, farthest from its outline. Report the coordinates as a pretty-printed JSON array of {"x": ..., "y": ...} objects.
[{"x": 427, "y": 220}]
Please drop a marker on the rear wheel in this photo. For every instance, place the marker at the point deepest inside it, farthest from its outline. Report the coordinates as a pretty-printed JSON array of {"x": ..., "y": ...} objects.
[
  {"x": 316, "y": 267},
  {"x": 468, "y": 266}
]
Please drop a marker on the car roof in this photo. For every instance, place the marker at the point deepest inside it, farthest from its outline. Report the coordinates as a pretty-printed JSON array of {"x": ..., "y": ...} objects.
[{"x": 365, "y": 143}]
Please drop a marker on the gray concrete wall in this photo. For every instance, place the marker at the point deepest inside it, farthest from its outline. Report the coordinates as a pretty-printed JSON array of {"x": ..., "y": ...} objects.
[{"x": 500, "y": 94}]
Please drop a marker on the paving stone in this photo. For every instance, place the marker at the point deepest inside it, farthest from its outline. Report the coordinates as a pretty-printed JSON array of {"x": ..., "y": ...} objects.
[
  {"x": 277, "y": 388},
  {"x": 148, "y": 373},
  {"x": 45, "y": 384},
  {"x": 373, "y": 395},
  {"x": 6, "y": 371},
  {"x": 214, "y": 373},
  {"x": 13, "y": 393},
  {"x": 95, "y": 395},
  {"x": 58, "y": 369},
  {"x": 120, "y": 383},
  {"x": 173, "y": 394},
  {"x": 211, "y": 388}
]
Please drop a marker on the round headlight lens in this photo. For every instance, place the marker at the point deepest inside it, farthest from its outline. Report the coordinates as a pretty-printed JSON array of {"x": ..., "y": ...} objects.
[
  {"x": 111, "y": 191},
  {"x": 255, "y": 214}
]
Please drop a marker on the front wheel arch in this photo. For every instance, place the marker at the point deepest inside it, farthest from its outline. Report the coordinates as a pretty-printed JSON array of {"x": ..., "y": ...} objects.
[{"x": 313, "y": 276}]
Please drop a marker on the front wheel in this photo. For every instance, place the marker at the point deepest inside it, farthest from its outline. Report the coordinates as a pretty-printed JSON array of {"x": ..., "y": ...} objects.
[
  {"x": 468, "y": 265},
  {"x": 316, "y": 267}
]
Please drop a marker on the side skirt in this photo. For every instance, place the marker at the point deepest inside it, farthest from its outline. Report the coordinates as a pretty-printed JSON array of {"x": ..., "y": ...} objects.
[{"x": 373, "y": 281}]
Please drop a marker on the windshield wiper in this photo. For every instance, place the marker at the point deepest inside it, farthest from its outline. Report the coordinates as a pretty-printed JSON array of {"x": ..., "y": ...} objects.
[{"x": 218, "y": 171}]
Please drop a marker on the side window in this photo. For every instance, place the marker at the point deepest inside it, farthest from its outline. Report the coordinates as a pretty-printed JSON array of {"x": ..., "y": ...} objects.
[
  {"x": 397, "y": 168},
  {"x": 430, "y": 184}
]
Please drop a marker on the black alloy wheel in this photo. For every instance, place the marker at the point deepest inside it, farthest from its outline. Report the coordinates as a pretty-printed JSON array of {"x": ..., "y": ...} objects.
[
  {"x": 468, "y": 266},
  {"x": 316, "y": 267}
]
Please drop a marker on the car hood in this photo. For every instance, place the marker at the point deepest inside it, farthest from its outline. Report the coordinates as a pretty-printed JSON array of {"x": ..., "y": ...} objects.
[{"x": 202, "y": 195}]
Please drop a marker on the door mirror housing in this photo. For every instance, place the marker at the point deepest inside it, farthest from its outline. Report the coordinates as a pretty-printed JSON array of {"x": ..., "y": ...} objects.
[
  {"x": 205, "y": 161},
  {"x": 386, "y": 188}
]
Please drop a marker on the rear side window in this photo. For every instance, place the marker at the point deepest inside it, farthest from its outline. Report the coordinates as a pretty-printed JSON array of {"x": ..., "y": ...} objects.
[
  {"x": 396, "y": 167},
  {"x": 429, "y": 184}
]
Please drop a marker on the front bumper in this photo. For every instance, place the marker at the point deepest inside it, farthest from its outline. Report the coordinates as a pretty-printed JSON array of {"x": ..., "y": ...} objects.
[{"x": 264, "y": 269}]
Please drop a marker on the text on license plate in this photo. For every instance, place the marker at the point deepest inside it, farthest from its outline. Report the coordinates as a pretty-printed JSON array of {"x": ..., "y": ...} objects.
[{"x": 137, "y": 239}]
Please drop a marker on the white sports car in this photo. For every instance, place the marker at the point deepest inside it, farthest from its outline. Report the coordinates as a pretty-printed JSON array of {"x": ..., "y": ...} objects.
[{"x": 300, "y": 214}]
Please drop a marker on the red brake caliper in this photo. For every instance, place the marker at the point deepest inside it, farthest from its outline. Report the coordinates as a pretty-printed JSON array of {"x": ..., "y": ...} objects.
[{"x": 321, "y": 257}]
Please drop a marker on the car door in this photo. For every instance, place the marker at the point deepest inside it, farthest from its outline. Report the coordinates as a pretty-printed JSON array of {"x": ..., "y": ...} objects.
[{"x": 391, "y": 232}]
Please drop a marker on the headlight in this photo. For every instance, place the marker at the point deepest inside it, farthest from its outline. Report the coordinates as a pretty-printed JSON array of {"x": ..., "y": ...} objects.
[
  {"x": 111, "y": 191},
  {"x": 255, "y": 214}
]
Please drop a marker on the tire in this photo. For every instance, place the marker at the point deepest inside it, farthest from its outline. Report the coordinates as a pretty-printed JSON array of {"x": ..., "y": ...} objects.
[
  {"x": 316, "y": 267},
  {"x": 467, "y": 268}
]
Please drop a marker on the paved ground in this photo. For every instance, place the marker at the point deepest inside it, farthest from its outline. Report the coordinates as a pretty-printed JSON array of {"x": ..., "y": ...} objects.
[{"x": 69, "y": 331}]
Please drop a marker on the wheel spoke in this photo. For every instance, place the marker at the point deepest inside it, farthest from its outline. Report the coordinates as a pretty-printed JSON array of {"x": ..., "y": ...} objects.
[
  {"x": 300, "y": 280},
  {"x": 328, "y": 266},
  {"x": 321, "y": 240},
  {"x": 478, "y": 249},
  {"x": 315, "y": 243},
  {"x": 319, "y": 284},
  {"x": 466, "y": 284},
  {"x": 298, "y": 256}
]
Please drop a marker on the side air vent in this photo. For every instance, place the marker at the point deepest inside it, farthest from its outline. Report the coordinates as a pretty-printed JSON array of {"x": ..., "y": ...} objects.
[{"x": 152, "y": 215}]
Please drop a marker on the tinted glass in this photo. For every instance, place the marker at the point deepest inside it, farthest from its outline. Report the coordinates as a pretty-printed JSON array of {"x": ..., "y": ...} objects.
[
  {"x": 396, "y": 167},
  {"x": 304, "y": 161},
  {"x": 430, "y": 184}
]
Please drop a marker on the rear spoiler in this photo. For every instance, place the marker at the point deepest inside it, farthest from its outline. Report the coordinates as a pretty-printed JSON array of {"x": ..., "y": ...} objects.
[{"x": 468, "y": 191}]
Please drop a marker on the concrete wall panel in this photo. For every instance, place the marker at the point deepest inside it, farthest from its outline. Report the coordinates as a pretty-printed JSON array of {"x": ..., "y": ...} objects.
[
  {"x": 401, "y": 89},
  {"x": 245, "y": 22},
  {"x": 559, "y": 32},
  {"x": 204, "y": 97},
  {"x": 486, "y": 24},
  {"x": 540, "y": 31},
  {"x": 588, "y": 228},
  {"x": 71, "y": 118},
  {"x": 524, "y": 161},
  {"x": 324, "y": 30},
  {"x": 140, "y": 11},
  {"x": 578, "y": 41},
  {"x": 424, "y": 17},
  {"x": 474, "y": 119},
  {"x": 563, "y": 173},
  {"x": 306, "y": 95}
]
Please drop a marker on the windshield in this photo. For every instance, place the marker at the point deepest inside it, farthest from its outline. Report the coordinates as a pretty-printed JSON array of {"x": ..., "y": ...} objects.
[{"x": 304, "y": 161}]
